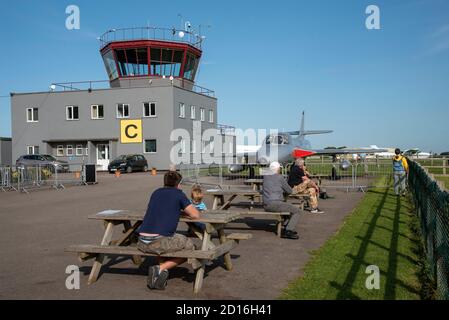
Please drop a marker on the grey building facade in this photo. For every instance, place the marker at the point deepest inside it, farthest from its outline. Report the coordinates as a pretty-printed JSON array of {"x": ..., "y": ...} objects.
[
  {"x": 5, "y": 151},
  {"x": 135, "y": 115}
]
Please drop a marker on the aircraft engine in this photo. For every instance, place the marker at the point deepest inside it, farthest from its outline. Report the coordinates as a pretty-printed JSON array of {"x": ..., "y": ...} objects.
[
  {"x": 344, "y": 165},
  {"x": 236, "y": 168}
]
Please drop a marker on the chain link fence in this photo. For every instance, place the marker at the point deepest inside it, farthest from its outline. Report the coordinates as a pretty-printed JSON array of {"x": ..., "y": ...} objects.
[
  {"x": 432, "y": 205},
  {"x": 28, "y": 178}
]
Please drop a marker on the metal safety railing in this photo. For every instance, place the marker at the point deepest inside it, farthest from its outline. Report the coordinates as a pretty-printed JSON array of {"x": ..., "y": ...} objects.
[
  {"x": 151, "y": 33},
  {"x": 32, "y": 177},
  {"x": 356, "y": 175},
  {"x": 432, "y": 206}
]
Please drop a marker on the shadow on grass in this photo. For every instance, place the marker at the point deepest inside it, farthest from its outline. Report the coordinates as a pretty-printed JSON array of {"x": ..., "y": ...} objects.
[{"x": 345, "y": 289}]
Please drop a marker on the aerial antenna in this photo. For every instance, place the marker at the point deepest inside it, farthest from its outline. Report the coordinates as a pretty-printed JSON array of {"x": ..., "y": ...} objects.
[{"x": 301, "y": 129}]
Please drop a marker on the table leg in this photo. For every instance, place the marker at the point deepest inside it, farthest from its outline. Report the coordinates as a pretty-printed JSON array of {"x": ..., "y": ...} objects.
[
  {"x": 100, "y": 258},
  {"x": 227, "y": 256},
  {"x": 200, "y": 272},
  {"x": 215, "y": 204},
  {"x": 279, "y": 227},
  {"x": 129, "y": 235},
  {"x": 227, "y": 204}
]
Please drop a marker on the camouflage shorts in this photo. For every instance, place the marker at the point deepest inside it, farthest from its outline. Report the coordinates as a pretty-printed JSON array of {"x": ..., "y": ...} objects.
[{"x": 162, "y": 245}]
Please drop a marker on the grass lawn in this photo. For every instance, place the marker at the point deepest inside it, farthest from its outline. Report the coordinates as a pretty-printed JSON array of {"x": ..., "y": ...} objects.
[
  {"x": 444, "y": 179},
  {"x": 378, "y": 232}
]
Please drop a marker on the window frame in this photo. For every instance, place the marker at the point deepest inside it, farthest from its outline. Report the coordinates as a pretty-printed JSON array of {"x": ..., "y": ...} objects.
[
  {"x": 92, "y": 110},
  {"x": 193, "y": 112},
  {"x": 123, "y": 105},
  {"x": 149, "y": 110},
  {"x": 182, "y": 107},
  {"x": 202, "y": 114},
  {"x": 67, "y": 148},
  {"x": 211, "y": 115},
  {"x": 79, "y": 147},
  {"x": 67, "y": 113},
  {"x": 32, "y": 114},
  {"x": 33, "y": 148},
  {"x": 60, "y": 148},
  {"x": 144, "y": 146}
]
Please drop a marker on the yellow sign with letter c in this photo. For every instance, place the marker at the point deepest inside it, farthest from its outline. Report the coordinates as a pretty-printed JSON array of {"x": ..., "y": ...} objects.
[{"x": 131, "y": 131}]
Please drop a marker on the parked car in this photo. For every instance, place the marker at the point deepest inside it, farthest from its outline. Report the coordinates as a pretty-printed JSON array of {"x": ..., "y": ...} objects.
[
  {"x": 42, "y": 160},
  {"x": 128, "y": 163}
]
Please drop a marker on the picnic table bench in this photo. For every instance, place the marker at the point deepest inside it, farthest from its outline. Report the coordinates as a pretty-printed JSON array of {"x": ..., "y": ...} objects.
[
  {"x": 256, "y": 184},
  {"x": 125, "y": 245},
  {"x": 219, "y": 197},
  {"x": 277, "y": 216}
]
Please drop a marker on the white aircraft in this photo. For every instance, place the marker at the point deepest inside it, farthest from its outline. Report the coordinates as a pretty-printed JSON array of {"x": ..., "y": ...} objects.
[
  {"x": 416, "y": 153},
  {"x": 286, "y": 146}
]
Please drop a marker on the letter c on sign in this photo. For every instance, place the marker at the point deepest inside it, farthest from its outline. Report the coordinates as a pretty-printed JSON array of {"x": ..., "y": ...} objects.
[{"x": 127, "y": 132}]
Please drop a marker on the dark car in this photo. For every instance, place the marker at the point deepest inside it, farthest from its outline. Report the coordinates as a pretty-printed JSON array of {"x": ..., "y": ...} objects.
[
  {"x": 128, "y": 163},
  {"x": 42, "y": 160}
]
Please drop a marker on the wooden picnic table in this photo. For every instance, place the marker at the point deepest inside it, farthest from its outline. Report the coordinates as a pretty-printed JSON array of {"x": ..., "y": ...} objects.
[
  {"x": 256, "y": 184},
  {"x": 219, "y": 197},
  {"x": 214, "y": 222}
]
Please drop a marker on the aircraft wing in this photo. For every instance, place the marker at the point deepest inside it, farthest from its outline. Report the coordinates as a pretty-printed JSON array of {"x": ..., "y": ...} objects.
[
  {"x": 346, "y": 151},
  {"x": 300, "y": 153}
]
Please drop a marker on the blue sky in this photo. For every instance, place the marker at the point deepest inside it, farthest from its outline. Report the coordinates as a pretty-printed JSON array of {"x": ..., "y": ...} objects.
[{"x": 266, "y": 61}]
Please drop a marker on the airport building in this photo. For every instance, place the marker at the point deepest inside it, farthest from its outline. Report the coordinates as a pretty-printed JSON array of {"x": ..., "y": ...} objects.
[
  {"x": 150, "y": 92},
  {"x": 5, "y": 151}
]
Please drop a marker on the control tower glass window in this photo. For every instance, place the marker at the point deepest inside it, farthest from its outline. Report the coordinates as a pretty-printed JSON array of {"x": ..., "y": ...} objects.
[
  {"x": 132, "y": 62},
  {"x": 190, "y": 68},
  {"x": 155, "y": 55},
  {"x": 110, "y": 65}
]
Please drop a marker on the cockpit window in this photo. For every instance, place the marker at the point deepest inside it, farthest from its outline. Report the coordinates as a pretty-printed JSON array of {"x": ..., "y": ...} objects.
[{"x": 277, "y": 139}]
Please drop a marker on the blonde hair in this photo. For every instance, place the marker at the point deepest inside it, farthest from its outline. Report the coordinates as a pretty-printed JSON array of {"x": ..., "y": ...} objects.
[{"x": 196, "y": 193}]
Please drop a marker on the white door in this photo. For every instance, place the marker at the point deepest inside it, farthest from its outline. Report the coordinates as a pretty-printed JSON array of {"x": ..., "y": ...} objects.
[{"x": 102, "y": 157}]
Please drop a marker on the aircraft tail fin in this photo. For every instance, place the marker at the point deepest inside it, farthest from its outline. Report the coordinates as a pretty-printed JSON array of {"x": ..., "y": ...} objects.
[{"x": 302, "y": 132}]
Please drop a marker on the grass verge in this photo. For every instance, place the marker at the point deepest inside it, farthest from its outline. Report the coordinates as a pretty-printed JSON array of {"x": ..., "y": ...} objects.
[{"x": 380, "y": 231}]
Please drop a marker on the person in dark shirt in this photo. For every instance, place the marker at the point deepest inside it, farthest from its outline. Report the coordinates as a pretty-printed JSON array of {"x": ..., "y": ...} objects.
[
  {"x": 157, "y": 234},
  {"x": 300, "y": 181}
]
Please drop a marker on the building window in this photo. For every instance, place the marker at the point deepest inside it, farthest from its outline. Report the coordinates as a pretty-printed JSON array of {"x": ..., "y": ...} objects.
[
  {"x": 72, "y": 113},
  {"x": 211, "y": 116},
  {"x": 149, "y": 109},
  {"x": 87, "y": 151},
  {"x": 182, "y": 110},
  {"x": 150, "y": 146},
  {"x": 193, "y": 146},
  {"x": 69, "y": 150},
  {"x": 32, "y": 115},
  {"x": 203, "y": 146},
  {"x": 79, "y": 150},
  {"x": 183, "y": 146},
  {"x": 32, "y": 149},
  {"x": 97, "y": 111},
  {"x": 60, "y": 151},
  {"x": 202, "y": 114},
  {"x": 122, "y": 110},
  {"x": 211, "y": 146},
  {"x": 192, "y": 112}
]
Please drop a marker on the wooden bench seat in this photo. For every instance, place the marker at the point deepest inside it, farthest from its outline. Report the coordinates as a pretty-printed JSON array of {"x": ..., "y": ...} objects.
[
  {"x": 93, "y": 250},
  {"x": 278, "y": 216}
]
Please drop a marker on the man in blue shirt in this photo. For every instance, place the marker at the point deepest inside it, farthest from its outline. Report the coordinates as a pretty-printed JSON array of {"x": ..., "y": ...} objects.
[{"x": 157, "y": 234}]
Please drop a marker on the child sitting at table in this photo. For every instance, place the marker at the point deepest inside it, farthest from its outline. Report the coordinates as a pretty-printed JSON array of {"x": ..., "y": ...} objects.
[{"x": 197, "y": 201}]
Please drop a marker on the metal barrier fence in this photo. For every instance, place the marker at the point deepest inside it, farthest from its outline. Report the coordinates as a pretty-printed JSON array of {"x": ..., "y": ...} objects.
[
  {"x": 432, "y": 204},
  {"x": 357, "y": 175},
  {"x": 28, "y": 178}
]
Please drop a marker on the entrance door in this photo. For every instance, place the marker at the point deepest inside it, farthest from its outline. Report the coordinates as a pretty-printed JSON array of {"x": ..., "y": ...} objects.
[{"x": 102, "y": 156}]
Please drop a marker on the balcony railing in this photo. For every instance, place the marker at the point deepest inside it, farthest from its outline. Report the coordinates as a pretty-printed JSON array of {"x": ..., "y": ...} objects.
[
  {"x": 151, "y": 33},
  {"x": 105, "y": 84}
]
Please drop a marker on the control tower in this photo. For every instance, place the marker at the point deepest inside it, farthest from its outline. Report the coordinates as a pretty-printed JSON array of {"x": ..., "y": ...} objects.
[
  {"x": 137, "y": 55},
  {"x": 151, "y": 91}
]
